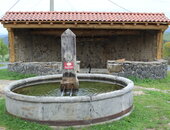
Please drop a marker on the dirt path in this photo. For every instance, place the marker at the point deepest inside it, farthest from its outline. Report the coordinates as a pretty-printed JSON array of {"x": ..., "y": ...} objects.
[
  {"x": 138, "y": 90},
  {"x": 2, "y": 128},
  {"x": 151, "y": 89}
]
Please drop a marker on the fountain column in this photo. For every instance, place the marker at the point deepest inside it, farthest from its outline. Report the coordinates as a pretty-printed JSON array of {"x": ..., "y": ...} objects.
[{"x": 68, "y": 56}]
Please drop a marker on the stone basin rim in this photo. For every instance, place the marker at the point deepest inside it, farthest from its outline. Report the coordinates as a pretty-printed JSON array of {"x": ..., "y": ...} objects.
[{"x": 15, "y": 84}]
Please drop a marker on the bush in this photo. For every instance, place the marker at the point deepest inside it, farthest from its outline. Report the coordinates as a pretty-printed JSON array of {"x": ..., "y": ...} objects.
[
  {"x": 3, "y": 50},
  {"x": 166, "y": 50}
]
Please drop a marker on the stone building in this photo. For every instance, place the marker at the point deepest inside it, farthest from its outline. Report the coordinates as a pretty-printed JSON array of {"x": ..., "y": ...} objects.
[{"x": 100, "y": 36}]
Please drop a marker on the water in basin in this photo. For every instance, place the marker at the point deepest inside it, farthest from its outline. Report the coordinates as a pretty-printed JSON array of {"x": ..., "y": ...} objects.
[{"x": 53, "y": 89}]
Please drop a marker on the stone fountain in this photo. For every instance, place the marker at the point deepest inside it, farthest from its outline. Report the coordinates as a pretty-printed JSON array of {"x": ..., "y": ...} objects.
[
  {"x": 69, "y": 83},
  {"x": 70, "y": 109}
]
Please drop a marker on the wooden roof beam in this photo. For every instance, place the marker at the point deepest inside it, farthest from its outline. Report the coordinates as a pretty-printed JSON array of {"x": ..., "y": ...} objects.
[
  {"x": 89, "y": 26},
  {"x": 87, "y": 32}
]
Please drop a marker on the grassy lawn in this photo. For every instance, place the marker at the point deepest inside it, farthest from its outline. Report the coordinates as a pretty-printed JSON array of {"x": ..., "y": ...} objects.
[
  {"x": 151, "y": 110},
  {"x": 163, "y": 84},
  {"x": 5, "y": 74},
  {"x": 13, "y": 123},
  {"x": 1, "y": 65}
]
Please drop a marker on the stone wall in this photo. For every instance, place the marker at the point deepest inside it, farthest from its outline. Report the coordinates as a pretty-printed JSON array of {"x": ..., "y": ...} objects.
[
  {"x": 36, "y": 48},
  {"x": 96, "y": 51},
  {"x": 152, "y": 70},
  {"x": 38, "y": 68},
  {"x": 93, "y": 49}
]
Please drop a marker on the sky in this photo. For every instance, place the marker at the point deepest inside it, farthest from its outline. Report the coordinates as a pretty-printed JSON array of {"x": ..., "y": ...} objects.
[{"x": 151, "y": 6}]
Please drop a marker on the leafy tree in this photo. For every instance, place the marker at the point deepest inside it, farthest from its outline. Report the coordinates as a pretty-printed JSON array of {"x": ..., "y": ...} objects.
[
  {"x": 166, "y": 50},
  {"x": 3, "y": 49}
]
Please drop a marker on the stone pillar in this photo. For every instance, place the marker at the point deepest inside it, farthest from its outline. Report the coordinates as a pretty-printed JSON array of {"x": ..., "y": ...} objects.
[{"x": 68, "y": 56}]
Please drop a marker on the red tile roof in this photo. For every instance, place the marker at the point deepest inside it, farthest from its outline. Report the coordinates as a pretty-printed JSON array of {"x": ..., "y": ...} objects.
[{"x": 85, "y": 16}]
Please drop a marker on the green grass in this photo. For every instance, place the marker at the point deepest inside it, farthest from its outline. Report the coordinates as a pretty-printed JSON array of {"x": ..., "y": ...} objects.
[
  {"x": 13, "y": 123},
  {"x": 163, "y": 84},
  {"x": 151, "y": 111},
  {"x": 7, "y": 75},
  {"x": 1, "y": 65}
]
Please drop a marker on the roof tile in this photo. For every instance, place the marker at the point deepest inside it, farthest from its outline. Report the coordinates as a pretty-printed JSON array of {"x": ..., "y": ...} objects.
[{"x": 85, "y": 16}]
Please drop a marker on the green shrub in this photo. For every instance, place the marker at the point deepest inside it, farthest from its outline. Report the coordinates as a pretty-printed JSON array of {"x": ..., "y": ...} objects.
[
  {"x": 3, "y": 50},
  {"x": 166, "y": 50}
]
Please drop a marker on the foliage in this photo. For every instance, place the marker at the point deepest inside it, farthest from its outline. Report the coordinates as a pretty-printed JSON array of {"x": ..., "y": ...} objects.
[
  {"x": 3, "y": 49},
  {"x": 166, "y": 50},
  {"x": 166, "y": 37},
  {"x": 5, "y": 74}
]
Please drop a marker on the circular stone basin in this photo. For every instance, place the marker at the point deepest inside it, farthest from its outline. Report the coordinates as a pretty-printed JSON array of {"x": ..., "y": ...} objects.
[
  {"x": 86, "y": 88},
  {"x": 87, "y": 109}
]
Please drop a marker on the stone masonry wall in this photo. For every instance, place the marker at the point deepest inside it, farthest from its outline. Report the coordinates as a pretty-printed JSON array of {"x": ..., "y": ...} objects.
[
  {"x": 96, "y": 51},
  {"x": 93, "y": 50},
  {"x": 36, "y": 48},
  {"x": 38, "y": 68},
  {"x": 153, "y": 70}
]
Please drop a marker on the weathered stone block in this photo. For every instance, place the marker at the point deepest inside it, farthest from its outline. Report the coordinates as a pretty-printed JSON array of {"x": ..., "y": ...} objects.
[{"x": 114, "y": 67}]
